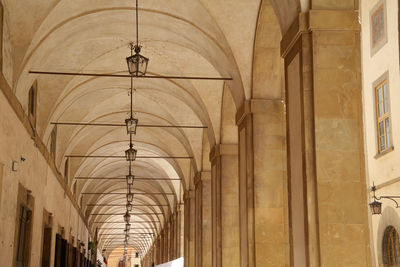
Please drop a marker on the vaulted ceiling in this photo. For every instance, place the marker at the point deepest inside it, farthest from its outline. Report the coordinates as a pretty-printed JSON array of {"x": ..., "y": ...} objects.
[{"x": 190, "y": 38}]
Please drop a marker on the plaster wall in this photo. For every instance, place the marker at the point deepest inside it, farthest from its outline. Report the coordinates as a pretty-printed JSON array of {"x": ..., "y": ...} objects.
[
  {"x": 381, "y": 169},
  {"x": 35, "y": 175}
]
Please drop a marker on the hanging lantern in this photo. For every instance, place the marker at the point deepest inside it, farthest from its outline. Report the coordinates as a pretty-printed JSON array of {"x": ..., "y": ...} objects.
[
  {"x": 128, "y": 227},
  {"x": 129, "y": 179},
  {"x": 128, "y": 206},
  {"x": 127, "y": 217},
  {"x": 131, "y": 125},
  {"x": 130, "y": 154},
  {"x": 376, "y": 207},
  {"x": 137, "y": 64},
  {"x": 129, "y": 197}
]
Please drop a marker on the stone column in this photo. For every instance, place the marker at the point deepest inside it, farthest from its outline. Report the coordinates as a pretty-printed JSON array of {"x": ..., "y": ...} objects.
[
  {"x": 203, "y": 219},
  {"x": 159, "y": 252},
  {"x": 172, "y": 237},
  {"x": 262, "y": 183},
  {"x": 326, "y": 179},
  {"x": 189, "y": 229},
  {"x": 166, "y": 242},
  {"x": 225, "y": 205},
  {"x": 181, "y": 230}
]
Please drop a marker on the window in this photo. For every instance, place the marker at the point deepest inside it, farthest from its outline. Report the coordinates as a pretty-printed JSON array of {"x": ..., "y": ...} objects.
[
  {"x": 378, "y": 26},
  {"x": 66, "y": 171},
  {"x": 74, "y": 189},
  {"x": 23, "y": 237},
  {"x": 390, "y": 247},
  {"x": 32, "y": 103},
  {"x": 383, "y": 116},
  {"x": 53, "y": 142}
]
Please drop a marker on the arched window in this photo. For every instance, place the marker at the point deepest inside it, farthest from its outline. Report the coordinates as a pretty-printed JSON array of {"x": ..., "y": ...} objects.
[{"x": 391, "y": 247}]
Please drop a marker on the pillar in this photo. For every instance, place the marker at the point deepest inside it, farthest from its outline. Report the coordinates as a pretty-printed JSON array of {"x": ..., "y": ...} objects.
[
  {"x": 189, "y": 229},
  {"x": 225, "y": 205},
  {"x": 203, "y": 219},
  {"x": 262, "y": 183},
  {"x": 326, "y": 175},
  {"x": 181, "y": 231}
]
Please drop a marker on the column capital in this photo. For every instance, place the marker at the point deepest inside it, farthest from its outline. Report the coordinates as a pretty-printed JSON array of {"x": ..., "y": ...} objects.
[
  {"x": 319, "y": 20},
  {"x": 188, "y": 195},
  {"x": 202, "y": 176},
  {"x": 223, "y": 149},
  {"x": 259, "y": 105}
]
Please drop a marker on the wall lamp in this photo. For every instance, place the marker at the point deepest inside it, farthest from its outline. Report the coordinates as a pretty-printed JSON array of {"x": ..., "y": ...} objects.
[{"x": 376, "y": 206}]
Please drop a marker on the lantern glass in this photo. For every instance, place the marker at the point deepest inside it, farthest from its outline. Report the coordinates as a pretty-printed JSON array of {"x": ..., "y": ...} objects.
[
  {"x": 128, "y": 206},
  {"x": 128, "y": 226},
  {"x": 137, "y": 64},
  {"x": 131, "y": 125},
  {"x": 129, "y": 197},
  {"x": 129, "y": 179},
  {"x": 376, "y": 207},
  {"x": 130, "y": 154},
  {"x": 127, "y": 217}
]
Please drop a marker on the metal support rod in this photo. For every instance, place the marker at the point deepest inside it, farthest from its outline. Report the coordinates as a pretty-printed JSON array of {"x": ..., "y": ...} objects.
[
  {"x": 141, "y": 213},
  {"x": 123, "y": 157},
  {"x": 132, "y": 228},
  {"x": 147, "y": 221},
  {"x": 135, "y": 193},
  {"x": 128, "y": 75},
  {"x": 123, "y": 205},
  {"x": 137, "y": 23},
  {"x": 123, "y": 125},
  {"x": 123, "y": 178},
  {"x": 130, "y": 234}
]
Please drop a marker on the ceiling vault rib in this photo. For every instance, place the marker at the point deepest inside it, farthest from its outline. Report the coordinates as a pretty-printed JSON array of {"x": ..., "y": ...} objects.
[
  {"x": 130, "y": 76},
  {"x": 123, "y": 125}
]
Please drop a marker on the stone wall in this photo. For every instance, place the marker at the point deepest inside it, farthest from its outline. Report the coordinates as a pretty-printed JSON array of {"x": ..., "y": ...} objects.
[{"x": 33, "y": 174}]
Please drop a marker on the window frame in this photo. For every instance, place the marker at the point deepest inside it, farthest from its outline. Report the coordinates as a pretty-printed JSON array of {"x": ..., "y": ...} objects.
[
  {"x": 389, "y": 249},
  {"x": 383, "y": 79},
  {"x": 24, "y": 201},
  {"x": 32, "y": 103},
  {"x": 53, "y": 142}
]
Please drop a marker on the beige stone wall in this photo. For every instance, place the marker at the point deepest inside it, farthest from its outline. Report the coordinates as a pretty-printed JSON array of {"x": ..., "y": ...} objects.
[
  {"x": 383, "y": 170},
  {"x": 35, "y": 175}
]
